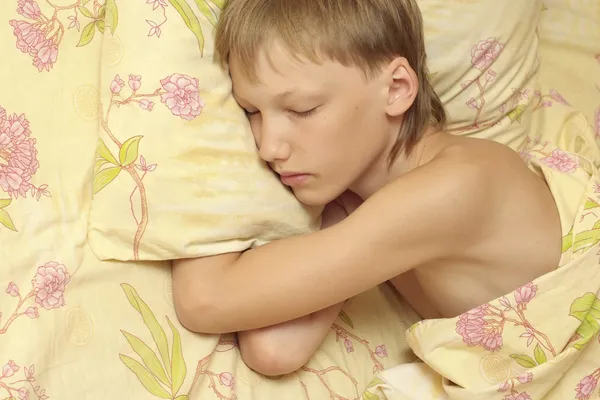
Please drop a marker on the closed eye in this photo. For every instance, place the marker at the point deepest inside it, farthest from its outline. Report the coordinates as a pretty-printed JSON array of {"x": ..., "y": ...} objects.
[{"x": 304, "y": 114}]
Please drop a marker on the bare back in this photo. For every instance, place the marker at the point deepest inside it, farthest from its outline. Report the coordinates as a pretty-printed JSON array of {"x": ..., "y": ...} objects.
[{"x": 522, "y": 239}]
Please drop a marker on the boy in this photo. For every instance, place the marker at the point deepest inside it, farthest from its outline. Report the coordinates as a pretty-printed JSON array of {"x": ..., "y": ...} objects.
[{"x": 337, "y": 95}]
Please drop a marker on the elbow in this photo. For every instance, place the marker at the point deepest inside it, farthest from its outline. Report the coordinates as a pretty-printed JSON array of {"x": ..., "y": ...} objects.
[
  {"x": 198, "y": 313},
  {"x": 269, "y": 357}
]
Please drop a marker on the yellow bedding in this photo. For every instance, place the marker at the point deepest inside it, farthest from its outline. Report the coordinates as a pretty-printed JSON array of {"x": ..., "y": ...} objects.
[
  {"x": 76, "y": 328},
  {"x": 540, "y": 341},
  {"x": 73, "y": 327}
]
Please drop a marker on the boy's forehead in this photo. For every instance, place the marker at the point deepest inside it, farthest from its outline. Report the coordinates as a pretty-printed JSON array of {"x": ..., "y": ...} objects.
[{"x": 272, "y": 65}]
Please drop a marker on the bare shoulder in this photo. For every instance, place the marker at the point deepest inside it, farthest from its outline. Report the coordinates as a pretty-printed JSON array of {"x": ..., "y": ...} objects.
[{"x": 445, "y": 202}]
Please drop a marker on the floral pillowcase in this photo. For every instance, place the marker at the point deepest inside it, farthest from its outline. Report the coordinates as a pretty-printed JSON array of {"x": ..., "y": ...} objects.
[{"x": 177, "y": 173}]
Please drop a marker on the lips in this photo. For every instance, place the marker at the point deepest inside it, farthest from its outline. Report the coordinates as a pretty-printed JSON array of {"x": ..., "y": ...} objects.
[{"x": 293, "y": 179}]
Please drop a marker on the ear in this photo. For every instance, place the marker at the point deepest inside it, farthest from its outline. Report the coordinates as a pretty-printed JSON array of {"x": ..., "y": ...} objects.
[{"x": 403, "y": 86}]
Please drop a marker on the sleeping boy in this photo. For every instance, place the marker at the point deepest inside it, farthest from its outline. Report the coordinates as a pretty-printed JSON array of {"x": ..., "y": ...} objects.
[{"x": 339, "y": 102}]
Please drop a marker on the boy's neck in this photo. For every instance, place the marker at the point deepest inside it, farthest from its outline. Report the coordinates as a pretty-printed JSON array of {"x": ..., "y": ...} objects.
[{"x": 381, "y": 173}]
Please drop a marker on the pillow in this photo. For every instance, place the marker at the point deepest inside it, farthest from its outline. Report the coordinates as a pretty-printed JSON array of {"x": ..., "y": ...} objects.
[
  {"x": 483, "y": 59},
  {"x": 177, "y": 173}
]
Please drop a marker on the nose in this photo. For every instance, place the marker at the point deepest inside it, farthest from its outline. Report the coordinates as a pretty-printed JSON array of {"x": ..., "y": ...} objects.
[{"x": 272, "y": 145}]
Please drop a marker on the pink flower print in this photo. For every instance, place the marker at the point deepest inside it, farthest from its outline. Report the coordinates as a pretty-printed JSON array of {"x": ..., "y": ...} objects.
[
  {"x": 227, "y": 379},
  {"x": 9, "y": 369},
  {"x": 529, "y": 336},
  {"x": 518, "y": 396},
  {"x": 546, "y": 104},
  {"x": 135, "y": 82},
  {"x": 472, "y": 103},
  {"x": 586, "y": 387},
  {"x": 504, "y": 301},
  {"x": 525, "y": 377},
  {"x": 12, "y": 289},
  {"x": 557, "y": 97},
  {"x": 142, "y": 166},
  {"x": 348, "y": 345},
  {"x": 23, "y": 394},
  {"x": 485, "y": 53},
  {"x": 32, "y": 312},
  {"x": 182, "y": 96},
  {"x": 561, "y": 161},
  {"x": 28, "y": 9},
  {"x": 491, "y": 76},
  {"x": 22, "y": 160},
  {"x": 381, "y": 351},
  {"x": 470, "y": 326},
  {"x": 28, "y": 36},
  {"x": 157, "y": 3},
  {"x": 154, "y": 29},
  {"x": 493, "y": 342},
  {"x": 525, "y": 294},
  {"x": 116, "y": 85},
  {"x": 50, "y": 282},
  {"x": 74, "y": 23},
  {"x": 504, "y": 386},
  {"x": 45, "y": 55},
  {"x": 29, "y": 372},
  {"x": 146, "y": 104}
]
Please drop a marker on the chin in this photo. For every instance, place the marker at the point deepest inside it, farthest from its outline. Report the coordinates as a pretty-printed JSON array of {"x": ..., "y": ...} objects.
[{"x": 314, "y": 198}]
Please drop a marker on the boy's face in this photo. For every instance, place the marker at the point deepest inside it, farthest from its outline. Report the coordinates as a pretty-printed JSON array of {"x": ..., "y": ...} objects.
[{"x": 322, "y": 127}]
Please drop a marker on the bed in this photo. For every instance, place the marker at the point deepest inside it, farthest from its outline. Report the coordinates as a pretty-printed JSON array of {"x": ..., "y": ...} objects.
[{"x": 86, "y": 310}]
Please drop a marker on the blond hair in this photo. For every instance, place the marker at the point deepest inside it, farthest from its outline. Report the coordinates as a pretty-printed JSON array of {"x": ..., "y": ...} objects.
[{"x": 365, "y": 34}]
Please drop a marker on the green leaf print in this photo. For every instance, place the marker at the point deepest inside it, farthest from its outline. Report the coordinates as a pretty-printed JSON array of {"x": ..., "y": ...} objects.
[
  {"x": 112, "y": 15},
  {"x": 219, "y": 3},
  {"x": 517, "y": 113},
  {"x": 104, "y": 153},
  {"x": 130, "y": 150},
  {"x": 376, "y": 381},
  {"x": 5, "y": 203},
  {"x": 100, "y": 26},
  {"x": 207, "y": 11},
  {"x": 104, "y": 177},
  {"x": 87, "y": 34},
  {"x": 584, "y": 305},
  {"x": 587, "y": 310},
  {"x": 178, "y": 367},
  {"x": 190, "y": 19},
  {"x": 523, "y": 360},
  {"x": 567, "y": 241},
  {"x": 346, "y": 319},
  {"x": 84, "y": 11},
  {"x": 148, "y": 357},
  {"x": 369, "y": 396},
  {"x": 182, "y": 397},
  {"x": 157, "y": 332},
  {"x": 145, "y": 377},
  {"x": 540, "y": 356},
  {"x": 6, "y": 220},
  {"x": 590, "y": 204},
  {"x": 586, "y": 239}
]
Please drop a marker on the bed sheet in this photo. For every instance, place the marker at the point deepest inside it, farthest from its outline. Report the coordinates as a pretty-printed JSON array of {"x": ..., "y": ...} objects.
[
  {"x": 569, "y": 33},
  {"x": 73, "y": 327}
]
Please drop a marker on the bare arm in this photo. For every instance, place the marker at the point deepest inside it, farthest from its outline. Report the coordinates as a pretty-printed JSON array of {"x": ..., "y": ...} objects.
[
  {"x": 285, "y": 348},
  {"x": 433, "y": 212}
]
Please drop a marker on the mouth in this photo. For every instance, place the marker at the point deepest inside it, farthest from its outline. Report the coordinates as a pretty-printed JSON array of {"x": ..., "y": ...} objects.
[{"x": 293, "y": 179}]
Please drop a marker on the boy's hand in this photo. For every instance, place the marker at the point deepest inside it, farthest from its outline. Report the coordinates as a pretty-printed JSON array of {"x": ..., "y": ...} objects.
[{"x": 339, "y": 209}]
